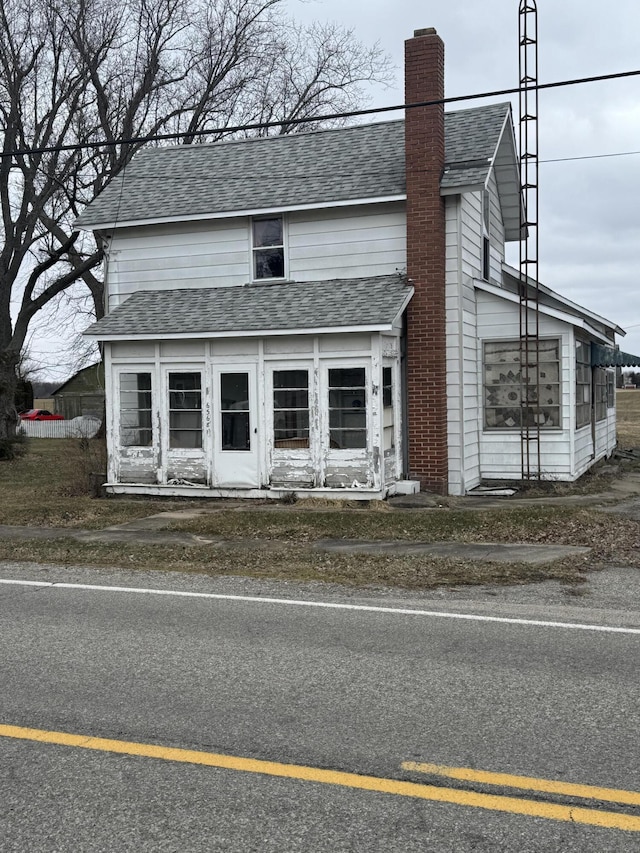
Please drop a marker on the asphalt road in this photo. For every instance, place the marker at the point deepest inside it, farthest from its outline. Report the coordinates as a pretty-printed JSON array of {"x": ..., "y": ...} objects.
[{"x": 350, "y": 690}]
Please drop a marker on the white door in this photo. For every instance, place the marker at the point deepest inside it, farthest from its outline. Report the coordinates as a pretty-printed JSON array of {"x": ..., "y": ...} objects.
[{"x": 235, "y": 430}]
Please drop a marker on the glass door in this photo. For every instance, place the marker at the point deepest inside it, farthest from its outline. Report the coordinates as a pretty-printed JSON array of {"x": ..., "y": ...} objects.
[{"x": 236, "y": 435}]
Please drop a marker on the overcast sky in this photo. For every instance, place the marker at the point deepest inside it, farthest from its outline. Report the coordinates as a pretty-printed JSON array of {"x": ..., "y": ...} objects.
[{"x": 589, "y": 208}]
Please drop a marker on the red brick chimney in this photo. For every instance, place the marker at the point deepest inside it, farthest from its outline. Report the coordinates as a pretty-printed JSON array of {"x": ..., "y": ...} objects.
[{"x": 426, "y": 343}]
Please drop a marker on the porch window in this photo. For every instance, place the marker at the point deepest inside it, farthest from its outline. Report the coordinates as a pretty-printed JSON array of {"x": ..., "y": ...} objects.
[
  {"x": 291, "y": 408},
  {"x": 583, "y": 384},
  {"x": 387, "y": 408},
  {"x": 347, "y": 407},
  {"x": 185, "y": 410},
  {"x": 268, "y": 248},
  {"x": 135, "y": 410},
  {"x": 517, "y": 394},
  {"x": 600, "y": 379}
]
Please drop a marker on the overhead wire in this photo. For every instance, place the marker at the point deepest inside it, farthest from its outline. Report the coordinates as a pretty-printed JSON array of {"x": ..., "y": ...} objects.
[{"x": 177, "y": 135}]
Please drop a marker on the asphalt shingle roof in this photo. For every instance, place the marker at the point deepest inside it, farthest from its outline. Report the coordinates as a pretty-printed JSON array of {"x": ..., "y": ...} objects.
[
  {"x": 358, "y": 162},
  {"x": 374, "y": 301}
]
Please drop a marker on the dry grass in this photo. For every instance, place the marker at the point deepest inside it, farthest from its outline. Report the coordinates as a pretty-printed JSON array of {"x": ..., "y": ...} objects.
[
  {"x": 628, "y": 418},
  {"x": 49, "y": 487}
]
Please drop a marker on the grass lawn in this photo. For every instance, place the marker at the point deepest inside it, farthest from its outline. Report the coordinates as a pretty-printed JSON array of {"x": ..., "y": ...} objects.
[
  {"x": 628, "y": 418},
  {"x": 48, "y": 487}
]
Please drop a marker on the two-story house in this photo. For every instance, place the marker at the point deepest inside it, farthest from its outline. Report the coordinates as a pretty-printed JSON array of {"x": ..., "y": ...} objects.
[{"x": 331, "y": 313}]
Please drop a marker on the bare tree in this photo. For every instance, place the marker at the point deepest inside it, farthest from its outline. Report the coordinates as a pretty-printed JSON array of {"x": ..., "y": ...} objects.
[{"x": 105, "y": 75}]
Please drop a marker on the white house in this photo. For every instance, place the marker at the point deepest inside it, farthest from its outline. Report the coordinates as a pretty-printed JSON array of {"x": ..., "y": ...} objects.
[{"x": 331, "y": 313}]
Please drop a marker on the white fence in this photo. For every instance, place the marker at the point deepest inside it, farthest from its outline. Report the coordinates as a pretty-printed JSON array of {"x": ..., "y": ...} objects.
[{"x": 75, "y": 428}]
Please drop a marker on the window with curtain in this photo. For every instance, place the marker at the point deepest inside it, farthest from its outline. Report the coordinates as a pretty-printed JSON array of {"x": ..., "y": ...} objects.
[{"x": 517, "y": 394}]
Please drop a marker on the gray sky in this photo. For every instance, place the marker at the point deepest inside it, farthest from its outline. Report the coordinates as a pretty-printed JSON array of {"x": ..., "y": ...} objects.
[{"x": 589, "y": 208}]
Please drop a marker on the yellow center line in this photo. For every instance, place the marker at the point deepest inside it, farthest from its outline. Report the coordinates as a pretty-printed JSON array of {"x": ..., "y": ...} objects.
[
  {"x": 526, "y": 783},
  {"x": 492, "y": 802}
]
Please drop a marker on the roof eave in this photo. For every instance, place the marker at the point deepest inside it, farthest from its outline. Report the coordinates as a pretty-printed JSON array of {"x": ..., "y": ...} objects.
[
  {"x": 106, "y": 226},
  {"x": 242, "y": 333}
]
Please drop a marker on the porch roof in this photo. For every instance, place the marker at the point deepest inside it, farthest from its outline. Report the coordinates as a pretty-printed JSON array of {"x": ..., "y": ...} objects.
[{"x": 364, "y": 304}]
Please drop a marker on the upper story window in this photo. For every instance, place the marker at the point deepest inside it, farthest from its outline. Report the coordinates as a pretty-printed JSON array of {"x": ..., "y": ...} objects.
[{"x": 267, "y": 247}]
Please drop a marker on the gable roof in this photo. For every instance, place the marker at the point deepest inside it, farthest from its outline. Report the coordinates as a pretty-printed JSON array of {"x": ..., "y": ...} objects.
[
  {"x": 318, "y": 168},
  {"x": 254, "y": 309}
]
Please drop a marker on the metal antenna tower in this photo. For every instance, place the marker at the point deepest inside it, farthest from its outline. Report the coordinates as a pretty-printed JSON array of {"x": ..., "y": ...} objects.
[{"x": 530, "y": 414}]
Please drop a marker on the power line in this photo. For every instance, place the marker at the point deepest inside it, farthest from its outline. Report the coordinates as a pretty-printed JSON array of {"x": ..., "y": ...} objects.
[{"x": 164, "y": 137}]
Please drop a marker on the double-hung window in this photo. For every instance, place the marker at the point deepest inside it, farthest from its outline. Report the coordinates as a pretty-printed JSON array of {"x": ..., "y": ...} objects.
[{"x": 267, "y": 248}]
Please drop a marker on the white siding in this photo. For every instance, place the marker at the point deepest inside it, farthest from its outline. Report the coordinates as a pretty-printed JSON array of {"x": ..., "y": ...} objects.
[
  {"x": 166, "y": 257},
  {"x": 462, "y": 386},
  {"x": 350, "y": 242},
  {"x": 501, "y": 456}
]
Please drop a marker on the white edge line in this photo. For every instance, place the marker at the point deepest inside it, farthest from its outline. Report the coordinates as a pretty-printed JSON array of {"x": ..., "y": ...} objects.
[{"x": 367, "y": 608}]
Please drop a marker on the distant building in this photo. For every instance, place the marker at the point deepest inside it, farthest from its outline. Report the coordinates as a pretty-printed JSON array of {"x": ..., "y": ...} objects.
[{"x": 83, "y": 394}]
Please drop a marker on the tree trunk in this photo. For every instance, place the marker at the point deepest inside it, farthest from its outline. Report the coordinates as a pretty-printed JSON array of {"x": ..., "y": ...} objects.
[{"x": 8, "y": 384}]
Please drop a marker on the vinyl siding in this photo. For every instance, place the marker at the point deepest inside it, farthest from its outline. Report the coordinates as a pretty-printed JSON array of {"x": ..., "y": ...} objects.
[{"x": 350, "y": 242}]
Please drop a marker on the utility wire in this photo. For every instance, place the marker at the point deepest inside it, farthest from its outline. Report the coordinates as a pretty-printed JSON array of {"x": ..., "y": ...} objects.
[{"x": 163, "y": 137}]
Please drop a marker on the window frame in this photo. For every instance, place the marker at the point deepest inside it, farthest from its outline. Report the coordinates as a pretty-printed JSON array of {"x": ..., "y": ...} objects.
[
  {"x": 297, "y": 442},
  {"x": 583, "y": 385},
  {"x": 130, "y": 371},
  {"x": 516, "y": 426},
  {"x": 283, "y": 246},
  {"x": 171, "y": 430},
  {"x": 332, "y": 443}
]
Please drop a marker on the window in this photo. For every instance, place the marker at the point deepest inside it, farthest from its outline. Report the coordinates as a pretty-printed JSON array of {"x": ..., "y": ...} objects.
[
  {"x": 347, "y": 407},
  {"x": 517, "y": 395},
  {"x": 583, "y": 384},
  {"x": 291, "y": 408},
  {"x": 185, "y": 410},
  {"x": 234, "y": 408},
  {"x": 387, "y": 408},
  {"x": 600, "y": 378},
  {"x": 268, "y": 248},
  {"x": 135, "y": 410},
  {"x": 486, "y": 230},
  {"x": 611, "y": 389}
]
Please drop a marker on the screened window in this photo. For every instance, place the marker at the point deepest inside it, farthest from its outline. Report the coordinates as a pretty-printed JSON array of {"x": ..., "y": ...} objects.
[
  {"x": 234, "y": 409},
  {"x": 135, "y": 410},
  {"x": 347, "y": 407},
  {"x": 387, "y": 408},
  {"x": 517, "y": 394},
  {"x": 268, "y": 248},
  {"x": 185, "y": 410},
  {"x": 291, "y": 408},
  {"x": 583, "y": 384}
]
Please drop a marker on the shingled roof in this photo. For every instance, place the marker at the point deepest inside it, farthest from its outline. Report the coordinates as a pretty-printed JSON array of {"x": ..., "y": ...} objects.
[
  {"x": 372, "y": 303},
  {"x": 301, "y": 170}
]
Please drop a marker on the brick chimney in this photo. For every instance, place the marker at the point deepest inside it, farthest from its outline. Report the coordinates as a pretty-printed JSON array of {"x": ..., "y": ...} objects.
[{"x": 426, "y": 343}]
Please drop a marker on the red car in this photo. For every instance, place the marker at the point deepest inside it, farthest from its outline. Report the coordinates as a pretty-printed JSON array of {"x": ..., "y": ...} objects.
[{"x": 40, "y": 415}]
